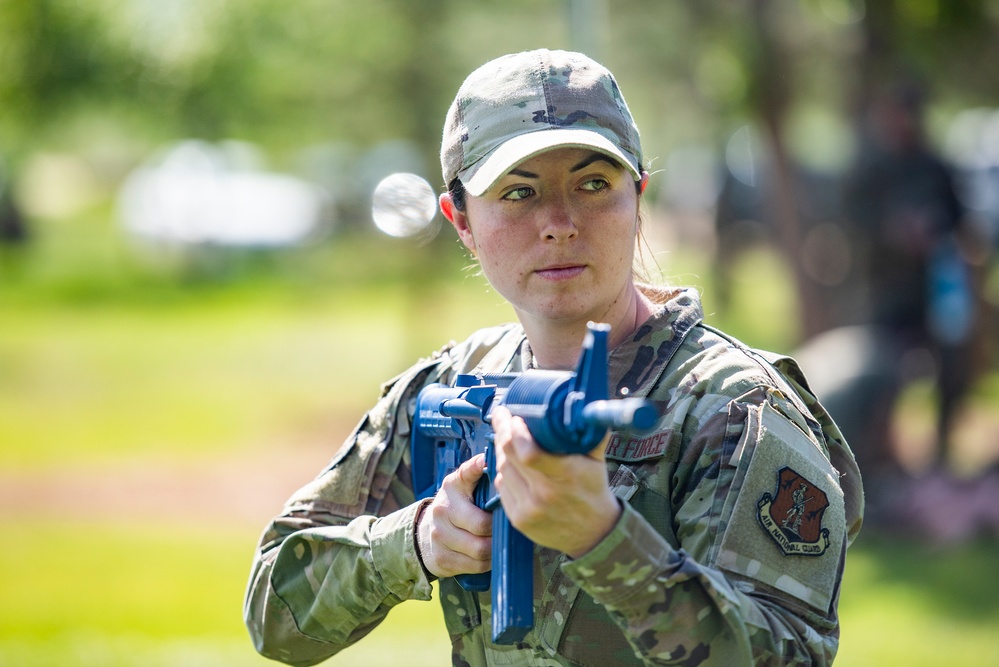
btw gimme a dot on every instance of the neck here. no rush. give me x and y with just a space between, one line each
556 343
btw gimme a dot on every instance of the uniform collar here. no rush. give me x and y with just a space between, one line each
636 364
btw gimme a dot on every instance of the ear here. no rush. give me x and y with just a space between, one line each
458 220
644 181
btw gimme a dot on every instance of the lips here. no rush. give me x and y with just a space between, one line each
561 271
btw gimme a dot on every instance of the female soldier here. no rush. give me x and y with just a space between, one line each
718 539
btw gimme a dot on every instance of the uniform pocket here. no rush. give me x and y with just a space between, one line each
461 608
561 628
571 623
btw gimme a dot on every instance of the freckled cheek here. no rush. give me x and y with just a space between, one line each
624 249
501 258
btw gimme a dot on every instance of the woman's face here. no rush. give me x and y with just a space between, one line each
556 236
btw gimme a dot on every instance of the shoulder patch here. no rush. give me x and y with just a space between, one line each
792 515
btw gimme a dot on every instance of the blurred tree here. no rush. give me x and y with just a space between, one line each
54 57
951 42
769 62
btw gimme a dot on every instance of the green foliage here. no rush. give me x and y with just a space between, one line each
56 54
384 69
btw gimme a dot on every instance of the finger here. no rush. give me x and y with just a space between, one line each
525 452
447 550
450 533
500 421
516 480
506 454
456 498
466 516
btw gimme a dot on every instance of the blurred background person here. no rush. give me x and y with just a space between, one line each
913 315
907 226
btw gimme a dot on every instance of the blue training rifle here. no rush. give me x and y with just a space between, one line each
566 412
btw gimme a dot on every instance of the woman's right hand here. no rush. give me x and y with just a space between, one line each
453 535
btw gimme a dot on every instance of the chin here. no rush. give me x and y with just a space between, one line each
564 310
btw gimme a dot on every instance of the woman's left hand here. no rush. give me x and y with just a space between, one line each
561 502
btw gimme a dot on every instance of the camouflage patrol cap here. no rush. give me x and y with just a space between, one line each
523 104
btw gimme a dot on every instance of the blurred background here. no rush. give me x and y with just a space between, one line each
196 307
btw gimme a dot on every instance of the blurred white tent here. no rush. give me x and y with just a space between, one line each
196 193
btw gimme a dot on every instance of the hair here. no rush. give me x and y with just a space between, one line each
459 196
640 268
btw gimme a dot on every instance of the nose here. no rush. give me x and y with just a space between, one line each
558 221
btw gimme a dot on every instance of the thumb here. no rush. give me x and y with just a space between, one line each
470 472
600 451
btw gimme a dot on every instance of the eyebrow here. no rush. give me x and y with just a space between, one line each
583 164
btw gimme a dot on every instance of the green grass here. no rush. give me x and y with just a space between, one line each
119 594
905 603
107 382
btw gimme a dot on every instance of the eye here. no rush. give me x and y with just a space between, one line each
595 184
516 194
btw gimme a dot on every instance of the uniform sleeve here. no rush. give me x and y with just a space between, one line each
752 574
342 553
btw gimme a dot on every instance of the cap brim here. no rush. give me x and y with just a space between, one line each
483 174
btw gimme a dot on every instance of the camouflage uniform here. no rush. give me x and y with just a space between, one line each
737 513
